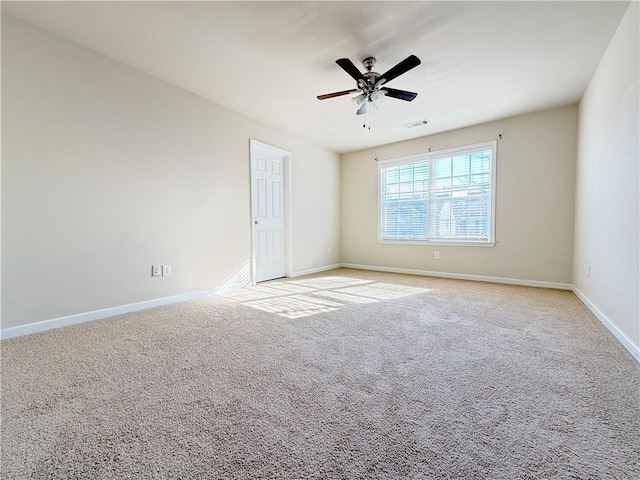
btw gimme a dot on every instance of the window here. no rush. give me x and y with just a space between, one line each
440 197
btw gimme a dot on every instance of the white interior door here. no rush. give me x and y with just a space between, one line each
268 183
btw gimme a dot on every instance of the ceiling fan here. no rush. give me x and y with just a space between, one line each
371 86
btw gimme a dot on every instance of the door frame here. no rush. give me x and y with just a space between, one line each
287 207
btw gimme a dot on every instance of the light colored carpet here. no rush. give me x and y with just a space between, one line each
346 375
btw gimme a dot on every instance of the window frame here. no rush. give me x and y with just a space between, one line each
431 157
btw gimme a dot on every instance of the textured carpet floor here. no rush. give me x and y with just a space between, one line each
347 375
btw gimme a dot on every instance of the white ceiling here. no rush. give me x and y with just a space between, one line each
268 60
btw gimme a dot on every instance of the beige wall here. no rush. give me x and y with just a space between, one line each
534 203
608 180
107 170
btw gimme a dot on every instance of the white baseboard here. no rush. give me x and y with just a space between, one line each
626 342
464 276
52 323
315 270
110 312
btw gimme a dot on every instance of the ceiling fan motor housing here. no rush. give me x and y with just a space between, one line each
371 76
369 87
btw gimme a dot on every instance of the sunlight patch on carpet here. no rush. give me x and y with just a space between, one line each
299 298
263 291
330 282
346 297
294 306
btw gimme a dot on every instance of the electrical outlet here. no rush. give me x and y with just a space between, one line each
155 271
588 271
166 270
329 251
436 255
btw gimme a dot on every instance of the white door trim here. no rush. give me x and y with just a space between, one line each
288 224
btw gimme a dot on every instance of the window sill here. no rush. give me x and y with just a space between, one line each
437 243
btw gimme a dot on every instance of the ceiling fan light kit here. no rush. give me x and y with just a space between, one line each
369 85
358 100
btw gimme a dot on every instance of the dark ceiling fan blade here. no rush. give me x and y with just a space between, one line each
404 66
400 94
336 94
348 66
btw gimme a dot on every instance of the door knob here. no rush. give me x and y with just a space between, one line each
255 222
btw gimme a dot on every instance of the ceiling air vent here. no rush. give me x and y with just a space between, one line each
417 123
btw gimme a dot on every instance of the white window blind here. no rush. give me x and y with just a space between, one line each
445 196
